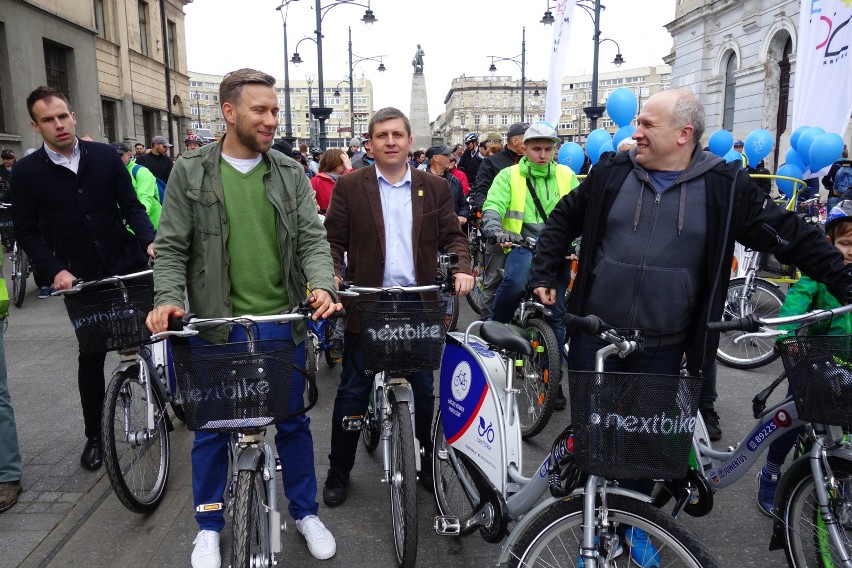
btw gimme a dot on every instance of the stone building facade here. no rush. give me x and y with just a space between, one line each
108 56
739 58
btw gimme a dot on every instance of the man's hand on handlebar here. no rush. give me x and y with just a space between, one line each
464 283
158 318
63 280
505 239
323 304
546 295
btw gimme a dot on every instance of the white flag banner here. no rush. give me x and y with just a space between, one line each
558 54
823 83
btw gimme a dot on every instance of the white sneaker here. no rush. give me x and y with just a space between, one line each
320 541
206 552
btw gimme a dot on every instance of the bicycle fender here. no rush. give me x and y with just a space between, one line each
249 458
799 469
124 366
399 392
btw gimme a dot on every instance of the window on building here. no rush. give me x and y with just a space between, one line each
783 94
100 22
461 102
143 28
476 103
195 83
150 125
476 120
730 93
463 117
172 44
108 110
490 120
56 67
504 119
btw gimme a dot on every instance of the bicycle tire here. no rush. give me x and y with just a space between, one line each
476 298
178 411
312 352
403 486
447 471
251 546
329 340
554 538
807 544
370 434
20 262
757 351
537 379
452 321
137 462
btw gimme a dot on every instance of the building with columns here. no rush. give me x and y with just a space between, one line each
739 58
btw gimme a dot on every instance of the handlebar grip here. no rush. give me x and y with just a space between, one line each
177 324
591 325
338 315
748 324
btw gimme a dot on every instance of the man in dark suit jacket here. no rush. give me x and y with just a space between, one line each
392 221
82 194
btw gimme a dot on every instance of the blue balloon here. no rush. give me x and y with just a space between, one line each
571 154
805 141
622 133
720 142
595 141
794 138
785 187
793 157
605 147
621 106
758 145
825 150
732 156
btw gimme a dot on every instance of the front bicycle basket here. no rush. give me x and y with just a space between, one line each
633 426
108 318
402 337
819 370
7 230
234 386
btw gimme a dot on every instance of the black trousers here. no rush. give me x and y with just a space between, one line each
90 381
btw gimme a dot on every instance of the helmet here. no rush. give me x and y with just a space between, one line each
193 141
838 213
472 137
541 130
738 143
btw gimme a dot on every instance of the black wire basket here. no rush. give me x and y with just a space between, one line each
401 337
7 229
633 426
110 317
235 386
819 370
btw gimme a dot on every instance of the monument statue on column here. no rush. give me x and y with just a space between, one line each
419 113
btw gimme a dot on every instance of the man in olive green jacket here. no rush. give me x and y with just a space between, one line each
239 232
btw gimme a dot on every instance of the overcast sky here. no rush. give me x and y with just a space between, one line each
457 36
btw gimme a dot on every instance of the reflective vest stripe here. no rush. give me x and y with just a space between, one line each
513 219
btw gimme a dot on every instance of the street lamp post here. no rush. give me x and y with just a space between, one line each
522 64
288 121
593 9
352 64
322 112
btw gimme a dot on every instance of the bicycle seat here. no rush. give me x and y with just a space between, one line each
500 335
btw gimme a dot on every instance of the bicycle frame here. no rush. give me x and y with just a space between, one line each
479 417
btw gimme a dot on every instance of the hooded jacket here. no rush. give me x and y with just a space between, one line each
734 210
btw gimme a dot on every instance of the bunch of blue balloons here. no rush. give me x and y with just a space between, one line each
757 145
621 106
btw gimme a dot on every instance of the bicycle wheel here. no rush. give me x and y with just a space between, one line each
754 352
136 459
447 472
554 538
370 434
537 379
403 486
20 262
251 545
475 298
312 351
808 542
329 340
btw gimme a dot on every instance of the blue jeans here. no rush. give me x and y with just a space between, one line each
10 454
293 440
516 275
353 394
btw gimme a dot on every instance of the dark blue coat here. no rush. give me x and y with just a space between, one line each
76 222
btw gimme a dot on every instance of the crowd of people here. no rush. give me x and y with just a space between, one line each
236 228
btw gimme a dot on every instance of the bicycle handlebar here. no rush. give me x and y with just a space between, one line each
349 289
590 325
189 325
80 284
752 323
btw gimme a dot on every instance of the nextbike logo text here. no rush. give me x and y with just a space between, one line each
405 332
111 316
236 390
657 424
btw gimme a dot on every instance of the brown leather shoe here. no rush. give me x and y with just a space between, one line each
9 491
